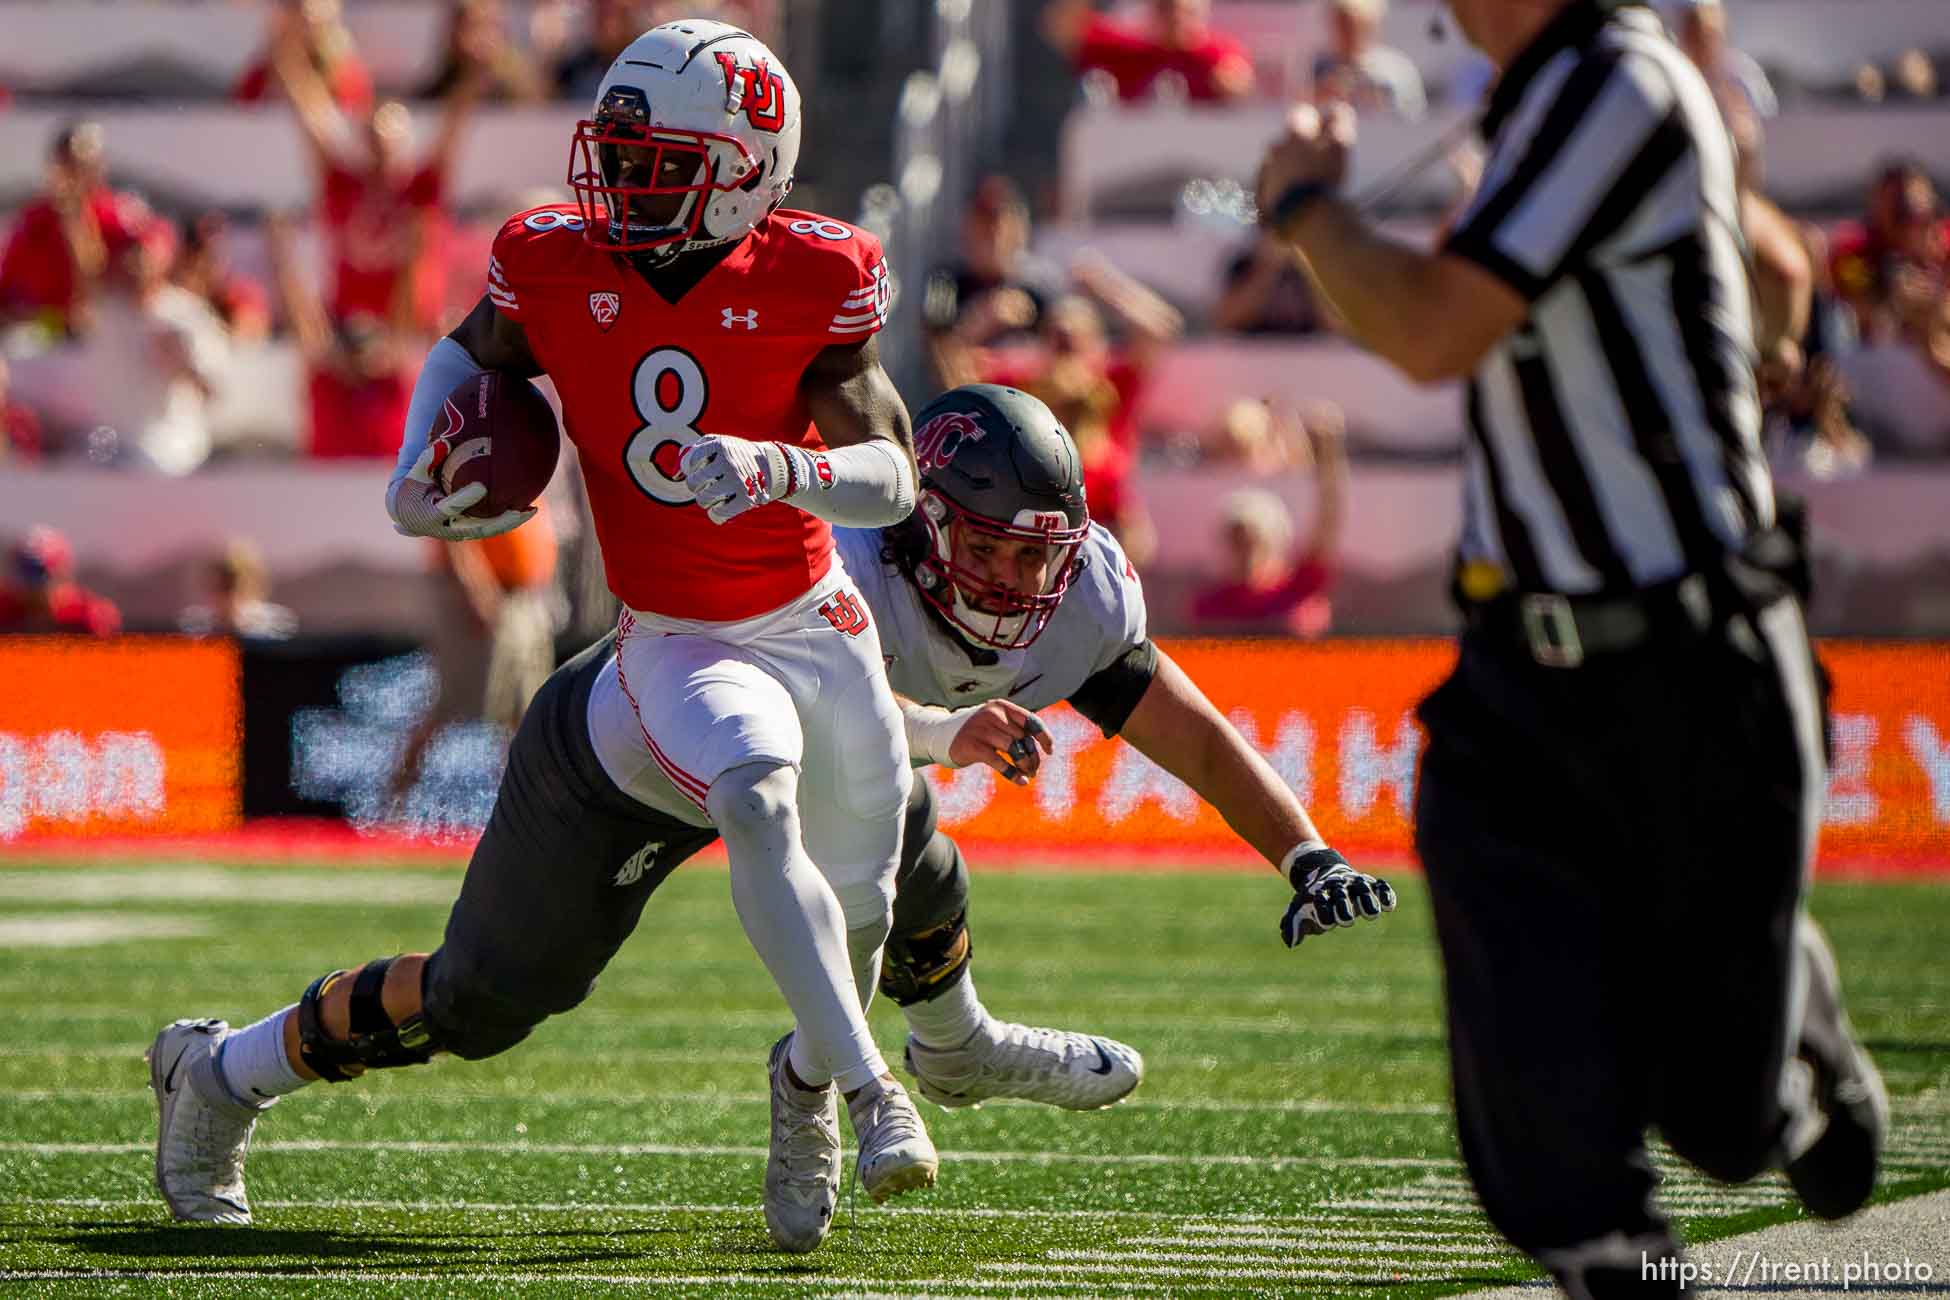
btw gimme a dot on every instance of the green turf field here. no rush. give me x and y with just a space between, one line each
1291 1137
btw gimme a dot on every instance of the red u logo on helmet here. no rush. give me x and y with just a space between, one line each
758 90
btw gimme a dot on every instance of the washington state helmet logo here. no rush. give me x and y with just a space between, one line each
605 307
937 442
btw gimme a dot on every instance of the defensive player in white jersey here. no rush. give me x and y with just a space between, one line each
715 358
996 598
1000 597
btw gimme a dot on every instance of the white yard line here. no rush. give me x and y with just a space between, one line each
1241 1223
602 1149
214 885
473 1097
609 1207
1915 1140
89 929
1384 1231
1114 1264
1329 1243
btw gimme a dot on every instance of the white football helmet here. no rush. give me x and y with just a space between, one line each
692 143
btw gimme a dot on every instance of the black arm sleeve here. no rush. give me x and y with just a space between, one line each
1109 694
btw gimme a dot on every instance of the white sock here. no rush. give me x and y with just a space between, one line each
252 1062
794 921
951 1019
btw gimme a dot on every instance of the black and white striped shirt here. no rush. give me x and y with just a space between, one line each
1614 437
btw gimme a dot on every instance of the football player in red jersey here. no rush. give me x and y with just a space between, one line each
715 357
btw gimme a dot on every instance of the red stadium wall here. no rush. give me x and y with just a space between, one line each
1337 720
112 738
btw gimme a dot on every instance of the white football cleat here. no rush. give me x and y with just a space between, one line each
1053 1066
896 1154
204 1131
802 1174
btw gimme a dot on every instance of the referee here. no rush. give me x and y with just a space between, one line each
1618 804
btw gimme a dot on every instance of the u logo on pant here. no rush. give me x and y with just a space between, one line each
845 612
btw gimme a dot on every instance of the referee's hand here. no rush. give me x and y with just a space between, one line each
1328 893
1313 147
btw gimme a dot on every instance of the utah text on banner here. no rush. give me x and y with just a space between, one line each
118 737
1337 721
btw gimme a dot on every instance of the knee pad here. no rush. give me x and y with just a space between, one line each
752 796
921 967
867 904
377 1043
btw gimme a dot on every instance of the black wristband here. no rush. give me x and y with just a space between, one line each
1308 863
1294 200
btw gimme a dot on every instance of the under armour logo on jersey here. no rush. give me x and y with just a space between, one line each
640 861
748 319
845 612
605 307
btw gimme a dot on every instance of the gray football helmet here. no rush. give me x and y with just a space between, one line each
996 463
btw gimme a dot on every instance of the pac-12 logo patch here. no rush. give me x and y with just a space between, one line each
605 307
937 441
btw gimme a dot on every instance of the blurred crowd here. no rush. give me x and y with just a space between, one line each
95 282
178 307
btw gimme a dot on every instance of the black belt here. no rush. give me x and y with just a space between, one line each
1563 631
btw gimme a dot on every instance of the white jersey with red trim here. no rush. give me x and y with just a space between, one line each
1101 617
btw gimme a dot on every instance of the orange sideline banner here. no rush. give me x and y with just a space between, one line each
1336 720
141 735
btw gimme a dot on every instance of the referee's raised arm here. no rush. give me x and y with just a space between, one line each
1623 780
1387 292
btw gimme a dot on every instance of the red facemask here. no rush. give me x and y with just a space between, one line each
1012 620
622 218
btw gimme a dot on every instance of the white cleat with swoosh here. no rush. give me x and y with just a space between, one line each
204 1131
1052 1066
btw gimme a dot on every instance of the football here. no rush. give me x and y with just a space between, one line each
500 431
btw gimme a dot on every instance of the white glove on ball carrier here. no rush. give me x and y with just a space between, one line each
420 509
728 476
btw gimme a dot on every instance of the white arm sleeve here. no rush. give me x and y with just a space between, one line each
447 367
867 485
930 731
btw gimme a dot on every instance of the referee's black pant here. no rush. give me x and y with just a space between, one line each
1617 854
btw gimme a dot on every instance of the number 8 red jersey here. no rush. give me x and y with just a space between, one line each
641 377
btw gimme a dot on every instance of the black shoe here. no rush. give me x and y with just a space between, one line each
1836 1174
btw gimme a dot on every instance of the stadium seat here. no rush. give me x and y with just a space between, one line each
1133 162
189 158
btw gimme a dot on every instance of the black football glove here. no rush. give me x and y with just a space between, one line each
1327 893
